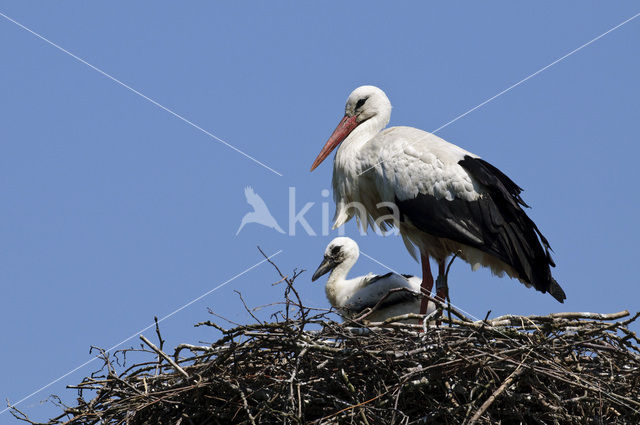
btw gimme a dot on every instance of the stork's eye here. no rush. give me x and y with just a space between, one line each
361 102
335 250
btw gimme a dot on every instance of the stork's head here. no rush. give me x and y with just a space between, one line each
366 102
363 104
340 251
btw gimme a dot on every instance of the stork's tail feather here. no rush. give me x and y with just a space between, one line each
556 291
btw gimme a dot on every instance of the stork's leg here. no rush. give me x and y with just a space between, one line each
442 288
427 282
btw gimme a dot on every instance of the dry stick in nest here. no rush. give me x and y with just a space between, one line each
293 377
160 341
247 309
245 403
164 356
363 415
517 372
290 287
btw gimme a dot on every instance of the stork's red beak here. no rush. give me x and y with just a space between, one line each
346 126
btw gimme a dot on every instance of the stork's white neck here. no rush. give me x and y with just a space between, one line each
361 135
337 283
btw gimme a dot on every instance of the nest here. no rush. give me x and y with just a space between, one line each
302 367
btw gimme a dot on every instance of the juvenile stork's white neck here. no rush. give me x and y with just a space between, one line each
338 285
339 257
339 273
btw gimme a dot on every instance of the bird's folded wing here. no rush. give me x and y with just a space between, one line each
492 221
378 289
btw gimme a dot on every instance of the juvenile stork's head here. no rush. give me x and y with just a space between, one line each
341 251
364 103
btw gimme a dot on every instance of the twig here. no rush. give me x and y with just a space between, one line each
164 356
517 372
245 403
160 341
247 309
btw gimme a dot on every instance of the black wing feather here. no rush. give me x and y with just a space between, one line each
398 297
378 277
495 224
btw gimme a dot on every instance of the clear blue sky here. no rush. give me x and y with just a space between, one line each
114 211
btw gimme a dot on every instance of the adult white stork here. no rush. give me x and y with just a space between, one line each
443 199
352 296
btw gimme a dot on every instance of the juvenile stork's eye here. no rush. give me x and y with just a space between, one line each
335 250
361 102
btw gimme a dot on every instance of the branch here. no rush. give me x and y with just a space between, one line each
164 356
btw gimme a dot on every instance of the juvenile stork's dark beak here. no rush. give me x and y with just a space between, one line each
325 267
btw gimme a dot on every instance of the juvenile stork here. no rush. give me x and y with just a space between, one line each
443 199
351 297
